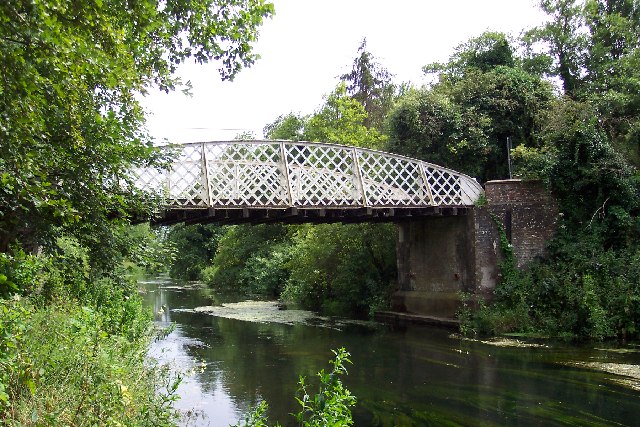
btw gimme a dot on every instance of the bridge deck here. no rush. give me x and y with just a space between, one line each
301 215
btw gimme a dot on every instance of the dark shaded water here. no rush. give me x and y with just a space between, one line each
414 376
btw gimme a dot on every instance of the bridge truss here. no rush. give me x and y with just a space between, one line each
262 181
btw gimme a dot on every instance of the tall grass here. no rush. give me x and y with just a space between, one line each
67 364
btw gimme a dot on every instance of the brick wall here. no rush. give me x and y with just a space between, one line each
528 212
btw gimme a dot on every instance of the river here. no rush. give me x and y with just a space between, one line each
241 353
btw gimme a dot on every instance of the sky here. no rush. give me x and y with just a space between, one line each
307 44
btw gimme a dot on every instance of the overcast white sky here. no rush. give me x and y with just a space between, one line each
308 43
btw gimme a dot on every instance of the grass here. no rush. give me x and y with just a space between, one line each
66 364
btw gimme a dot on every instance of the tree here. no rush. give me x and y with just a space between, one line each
428 125
71 127
613 71
483 53
194 247
342 269
563 41
249 259
593 47
483 96
289 126
595 186
369 83
342 120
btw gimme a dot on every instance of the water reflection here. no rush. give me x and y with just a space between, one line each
414 376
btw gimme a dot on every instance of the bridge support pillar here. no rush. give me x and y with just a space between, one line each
441 256
435 262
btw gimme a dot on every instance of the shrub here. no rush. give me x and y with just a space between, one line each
342 269
67 364
330 406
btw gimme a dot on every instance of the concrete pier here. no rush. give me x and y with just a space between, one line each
439 257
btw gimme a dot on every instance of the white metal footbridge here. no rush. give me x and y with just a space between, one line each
263 181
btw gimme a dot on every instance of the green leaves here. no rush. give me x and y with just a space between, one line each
71 128
341 120
67 364
593 47
330 405
482 53
483 96
342 269
369 83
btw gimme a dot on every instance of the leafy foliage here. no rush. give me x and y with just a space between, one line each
592 46
250 259
483 96
588 285
330 406
370 84
342 269
147 250
483 53
194 247
341 120
72 127
288 126
68 364
73 350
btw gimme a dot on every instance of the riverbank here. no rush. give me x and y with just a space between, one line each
65 363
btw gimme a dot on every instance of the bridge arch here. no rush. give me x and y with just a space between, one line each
241 180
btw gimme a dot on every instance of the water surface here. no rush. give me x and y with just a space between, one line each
410 376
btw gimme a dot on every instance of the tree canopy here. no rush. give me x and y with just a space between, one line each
71 126
341 120
593 48
482 97
371 85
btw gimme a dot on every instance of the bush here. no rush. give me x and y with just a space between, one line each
578 292
330 406
21 273
73 345
194 246
342 269
250 259
266 274
67 364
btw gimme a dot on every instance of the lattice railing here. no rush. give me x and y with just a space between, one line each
281 174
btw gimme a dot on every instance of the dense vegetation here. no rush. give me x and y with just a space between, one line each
566 94
73 334
587 154
73 349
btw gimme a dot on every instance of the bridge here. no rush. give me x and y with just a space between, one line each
444 244
266 181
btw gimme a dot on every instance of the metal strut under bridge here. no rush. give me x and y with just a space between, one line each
263 181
